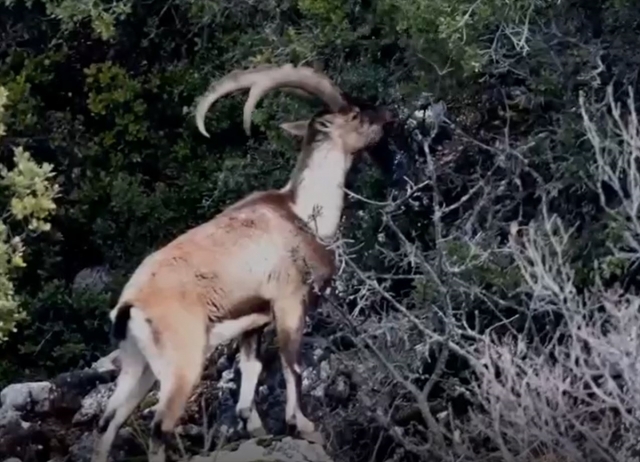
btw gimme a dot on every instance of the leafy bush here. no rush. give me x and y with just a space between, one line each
29 195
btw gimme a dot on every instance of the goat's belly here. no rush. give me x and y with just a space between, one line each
224 331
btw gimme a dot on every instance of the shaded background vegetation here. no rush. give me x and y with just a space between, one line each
104 93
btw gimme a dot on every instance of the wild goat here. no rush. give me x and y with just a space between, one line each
258 261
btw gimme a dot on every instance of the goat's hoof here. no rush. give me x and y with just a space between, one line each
157 457
256 432
313 437
254 425
291 420
244 413
98 456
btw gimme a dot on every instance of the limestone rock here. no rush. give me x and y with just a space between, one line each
29 396
72 387
108 363
10 417
94 279
268 449
94 404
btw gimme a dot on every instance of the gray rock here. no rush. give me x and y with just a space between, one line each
81 450
189 430
22 439
12 459
94 404
269 449
94 279
72 387
311 383
148 412
314 379
10 417
29 396
108 363
339 389
227 381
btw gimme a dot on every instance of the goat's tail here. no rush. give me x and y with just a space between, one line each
121 321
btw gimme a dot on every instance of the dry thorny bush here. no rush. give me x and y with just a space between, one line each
552 372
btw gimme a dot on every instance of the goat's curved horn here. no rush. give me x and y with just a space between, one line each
263 79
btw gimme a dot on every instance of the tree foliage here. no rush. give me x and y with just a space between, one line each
29 193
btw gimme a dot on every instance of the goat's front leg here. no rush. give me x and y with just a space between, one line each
289 314
245 328
250 369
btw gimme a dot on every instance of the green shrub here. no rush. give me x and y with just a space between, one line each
29 194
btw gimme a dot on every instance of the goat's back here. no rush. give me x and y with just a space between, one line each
250 253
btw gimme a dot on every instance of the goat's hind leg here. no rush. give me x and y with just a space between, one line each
250 369
179 372
133 383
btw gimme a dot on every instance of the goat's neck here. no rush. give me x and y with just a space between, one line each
317 184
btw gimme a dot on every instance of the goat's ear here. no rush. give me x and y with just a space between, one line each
298 128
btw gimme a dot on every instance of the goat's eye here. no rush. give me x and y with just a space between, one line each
323 124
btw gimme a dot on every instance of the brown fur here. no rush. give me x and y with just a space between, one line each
199 250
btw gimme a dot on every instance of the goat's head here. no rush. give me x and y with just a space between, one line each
353 125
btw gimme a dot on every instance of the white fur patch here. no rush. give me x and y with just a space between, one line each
141 333
320 196
113 312
250 369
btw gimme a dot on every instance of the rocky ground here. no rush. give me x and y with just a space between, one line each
54 420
